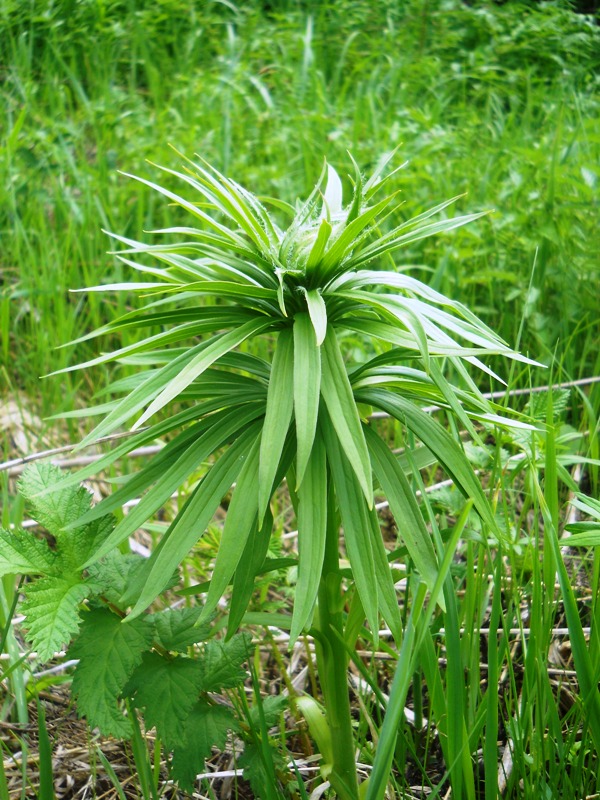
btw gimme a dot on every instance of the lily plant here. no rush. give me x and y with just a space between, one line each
299 416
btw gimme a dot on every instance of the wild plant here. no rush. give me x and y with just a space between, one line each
246 359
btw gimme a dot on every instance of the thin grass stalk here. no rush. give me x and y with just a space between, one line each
46 789
417 628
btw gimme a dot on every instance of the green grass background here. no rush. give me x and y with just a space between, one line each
499 102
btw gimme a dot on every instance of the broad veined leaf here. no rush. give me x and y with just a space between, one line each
21 553
51 609
280 402
338 397
221 663
214 350
59 509
205 727
55 510
403 504
176 628
355 522
166 688
312 525
108 653
307 389
192 520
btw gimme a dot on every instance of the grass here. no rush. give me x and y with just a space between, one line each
500 102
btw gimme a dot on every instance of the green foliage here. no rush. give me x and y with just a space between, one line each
152 661
497 100
299 291
206 726
51 603
108 653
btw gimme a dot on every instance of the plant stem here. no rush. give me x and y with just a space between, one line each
332 662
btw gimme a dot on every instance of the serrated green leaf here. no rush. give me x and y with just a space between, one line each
166 689
51 609
280 402
206 727
108 653
176 628
116 573
221 663
307 388
57 510
256 771
273 706
338 397
312 526
23 553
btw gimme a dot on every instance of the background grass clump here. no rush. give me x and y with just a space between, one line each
499 102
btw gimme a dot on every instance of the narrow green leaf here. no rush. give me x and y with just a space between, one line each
338 397
217 347
587 673
175 471
280 403
318 248
312 525
318 314
142 394
355 522
192 520
347 240
249 566
307 387
439 441
239 522
409 520
386 591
